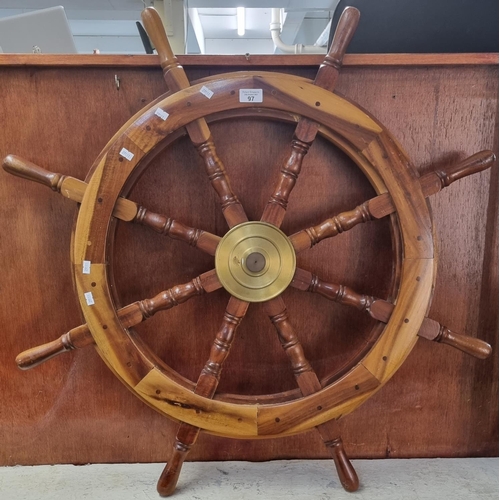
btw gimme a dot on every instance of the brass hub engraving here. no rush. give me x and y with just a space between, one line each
255 261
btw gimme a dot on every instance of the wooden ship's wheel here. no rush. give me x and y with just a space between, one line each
254 261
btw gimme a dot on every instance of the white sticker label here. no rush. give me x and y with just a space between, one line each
86 267
127 154
162 114
251 95
89 298
206 92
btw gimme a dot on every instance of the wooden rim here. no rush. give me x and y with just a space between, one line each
383 163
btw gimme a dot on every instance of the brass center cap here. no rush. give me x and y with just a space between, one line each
255 261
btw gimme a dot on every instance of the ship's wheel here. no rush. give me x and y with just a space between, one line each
254 261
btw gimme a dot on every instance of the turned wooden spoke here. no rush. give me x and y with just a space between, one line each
308 383
130 315
381 310
198 130
231 206
311 236
306 129
278 315
209 376
205 283
275 209
126 210
205 386
382 205
203 240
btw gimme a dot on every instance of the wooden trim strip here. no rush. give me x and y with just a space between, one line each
250 61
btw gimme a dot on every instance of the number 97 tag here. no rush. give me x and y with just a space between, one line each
251 95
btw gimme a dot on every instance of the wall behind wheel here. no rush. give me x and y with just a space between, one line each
72 409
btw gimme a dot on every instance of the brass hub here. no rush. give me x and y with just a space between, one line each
255 261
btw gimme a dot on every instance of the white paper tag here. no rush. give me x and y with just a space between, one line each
89 298
86 267
206 92
127 154
162 114
251 95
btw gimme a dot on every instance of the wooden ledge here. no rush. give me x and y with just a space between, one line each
249 61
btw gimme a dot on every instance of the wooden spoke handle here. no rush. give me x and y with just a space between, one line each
71 188
173 72
198 130
382 205
432 330
381 310
130 315
25 169
186 437
433 182
74 339
125 210
205 386
306 129
156 32
472 165
347 474
329 70
308 382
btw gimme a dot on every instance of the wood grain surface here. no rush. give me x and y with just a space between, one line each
248 61
73 410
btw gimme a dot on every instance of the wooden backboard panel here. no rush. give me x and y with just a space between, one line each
73 410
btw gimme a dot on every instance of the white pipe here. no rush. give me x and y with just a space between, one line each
194 15
298 48
240 19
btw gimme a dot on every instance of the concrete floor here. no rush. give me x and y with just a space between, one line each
416 479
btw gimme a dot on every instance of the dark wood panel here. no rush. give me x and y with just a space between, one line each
72 409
